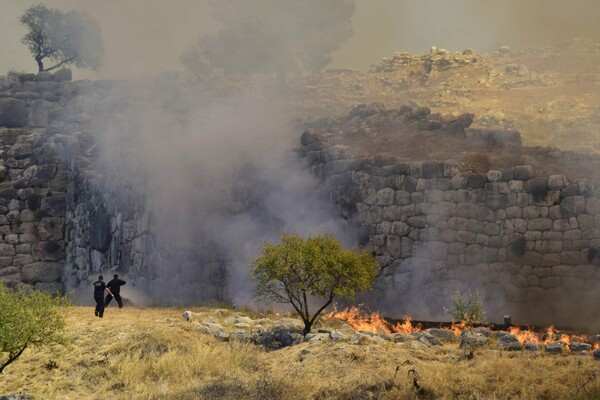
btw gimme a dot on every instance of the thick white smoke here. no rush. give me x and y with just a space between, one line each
219 173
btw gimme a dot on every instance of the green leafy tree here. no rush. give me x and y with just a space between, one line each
66 38
468 310
29 319
315 270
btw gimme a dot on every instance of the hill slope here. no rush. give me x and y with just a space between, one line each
152 353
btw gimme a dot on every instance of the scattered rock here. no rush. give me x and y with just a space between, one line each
554 347
509 342
336 336
222 336
472 339
580 348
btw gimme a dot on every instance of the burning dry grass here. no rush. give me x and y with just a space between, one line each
153 354
373 322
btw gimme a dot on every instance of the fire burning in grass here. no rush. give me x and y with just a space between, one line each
372 323
375 323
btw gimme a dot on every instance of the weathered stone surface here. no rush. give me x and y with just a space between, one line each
42 272
100 236
51 228
7 250
572 206
510 342
444 334
54 206
13 113
523 172
47 251
557 182
63 75
472 339
41 111
580 348
555 347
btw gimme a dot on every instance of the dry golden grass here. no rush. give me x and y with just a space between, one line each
152 353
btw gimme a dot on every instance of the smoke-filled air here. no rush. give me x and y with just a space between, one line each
299 199
455 143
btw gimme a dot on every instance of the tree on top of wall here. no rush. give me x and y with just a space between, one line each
67 38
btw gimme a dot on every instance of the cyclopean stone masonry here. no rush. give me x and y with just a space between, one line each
529 243
64 216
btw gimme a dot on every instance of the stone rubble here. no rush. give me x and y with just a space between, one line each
278 334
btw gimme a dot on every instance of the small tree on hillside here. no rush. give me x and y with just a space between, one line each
468 310
28 320
316 270
66 38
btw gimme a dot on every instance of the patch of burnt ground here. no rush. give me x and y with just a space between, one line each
416 134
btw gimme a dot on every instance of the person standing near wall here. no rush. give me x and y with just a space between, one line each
99 289
115 291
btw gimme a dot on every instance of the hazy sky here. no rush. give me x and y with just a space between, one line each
146 37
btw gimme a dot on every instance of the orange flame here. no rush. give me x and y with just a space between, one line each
372 323
524 337
406 327
376 324
551 335
458 328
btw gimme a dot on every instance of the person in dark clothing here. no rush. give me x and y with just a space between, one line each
99 289
115 291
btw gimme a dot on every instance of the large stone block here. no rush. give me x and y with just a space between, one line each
13 113
394 245
473 254
47 251
54 206
540 224
523 172
51 228
432 169
572 206
571 257
385 197
42 272
460 181
402 197
400 228
41 112
477 181
557 182
7 250
467 210
63 75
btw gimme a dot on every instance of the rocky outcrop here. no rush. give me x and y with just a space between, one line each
437 59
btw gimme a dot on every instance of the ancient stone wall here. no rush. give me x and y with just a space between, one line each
60 220
530 244
64 216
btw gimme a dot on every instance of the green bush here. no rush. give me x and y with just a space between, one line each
468 310
28 319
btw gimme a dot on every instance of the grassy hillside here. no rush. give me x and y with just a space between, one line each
152 353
